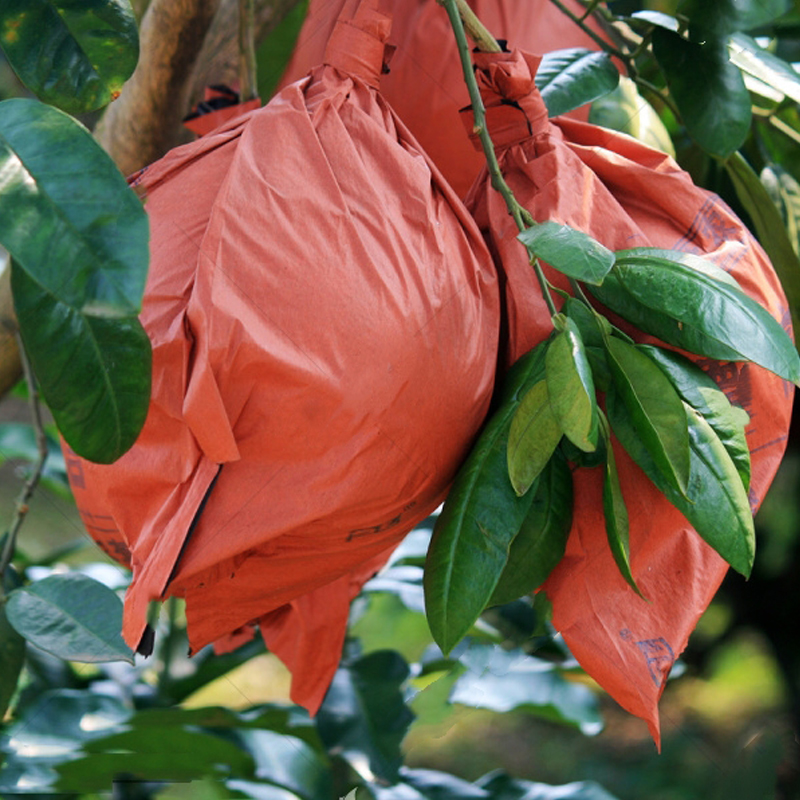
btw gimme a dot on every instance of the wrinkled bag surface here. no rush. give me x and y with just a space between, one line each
624 194
324 318
425 85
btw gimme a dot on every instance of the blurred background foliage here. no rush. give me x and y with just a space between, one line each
730 714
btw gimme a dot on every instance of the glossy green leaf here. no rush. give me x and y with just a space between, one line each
785 193
79 243
533 436
573 77
716 504
721 17
480 518
12 646
542 539
593 327
570 388
506 679
656 18
699 390
364 716
71 616
72 55
570 251
715 108
502 787
769 225
170 753
655 409
664 293
427 784
626 110
768 68
615 512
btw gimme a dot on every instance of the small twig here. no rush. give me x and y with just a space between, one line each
521 216
248 81
29 487
476 30
589 10
579 21
168 646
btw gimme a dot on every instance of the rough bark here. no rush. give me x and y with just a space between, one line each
144 122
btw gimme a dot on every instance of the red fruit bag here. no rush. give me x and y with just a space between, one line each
324 317
424 84
624 194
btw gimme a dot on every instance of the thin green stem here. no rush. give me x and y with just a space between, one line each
589 10
21 508
168 646
521 216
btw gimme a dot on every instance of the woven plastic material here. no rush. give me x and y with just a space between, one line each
324 317
625 195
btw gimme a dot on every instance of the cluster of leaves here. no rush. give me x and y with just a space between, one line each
78 237
505 523
82 731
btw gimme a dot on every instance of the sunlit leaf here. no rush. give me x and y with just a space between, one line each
72 617
73 55
626 110
785 193
79 245
542 539
570 387
772 232
761 64
480 518
533 436
506 679
573 77
568 250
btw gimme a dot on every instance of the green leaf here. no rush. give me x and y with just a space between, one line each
71 616
532 438
655 410
664 293
699 390
656 18
626 110
72 55
716 503
170 753
785 193
768 68
573 77
570 251
12 646
79 245
18 441
616 512
502 787
770 228
506 679
723 16
708 90
364 717
570 388
542 539
593 327
288 762
481 516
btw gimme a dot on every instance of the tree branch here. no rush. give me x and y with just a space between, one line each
144 122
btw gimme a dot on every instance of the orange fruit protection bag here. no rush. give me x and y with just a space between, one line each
625 195
424 84
324 317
